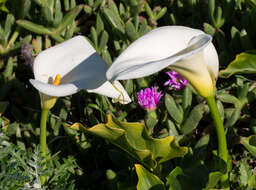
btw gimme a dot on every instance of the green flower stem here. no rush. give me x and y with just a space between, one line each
43 144
222 142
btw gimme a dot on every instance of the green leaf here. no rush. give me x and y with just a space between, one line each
172 180
233 118
250 144
58 13
186 98
99 24
171 128
9 68
134 139
103 40
66 5
180 179
8 25
173 109
244 63
147 180
228 98
114 20
252 3
106 56
211 10
57 37
252 182
219 19
193 119
245 173
131 31
161 13
209 29
39 29
213 180
94 36
68 18
149 11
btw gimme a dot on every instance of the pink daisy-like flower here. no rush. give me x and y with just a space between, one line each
149 98
177 82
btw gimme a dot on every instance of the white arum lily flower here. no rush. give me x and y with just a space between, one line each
185 50
68 67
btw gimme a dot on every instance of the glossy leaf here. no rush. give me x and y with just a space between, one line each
114 20
193 119
68 18
131 31
213 179
250 144
180 179
39 29
172 179
147 180
134 139
244 63
103 40
173 109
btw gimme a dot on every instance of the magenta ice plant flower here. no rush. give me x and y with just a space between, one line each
176 81
149 98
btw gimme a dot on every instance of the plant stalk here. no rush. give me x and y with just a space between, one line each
222 142
43 144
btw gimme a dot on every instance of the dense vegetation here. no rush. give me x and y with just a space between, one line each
79 156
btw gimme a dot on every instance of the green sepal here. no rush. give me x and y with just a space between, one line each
151 119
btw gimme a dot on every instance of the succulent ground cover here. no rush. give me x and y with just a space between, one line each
159 131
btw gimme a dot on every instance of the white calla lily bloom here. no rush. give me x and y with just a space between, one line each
78 66
185 50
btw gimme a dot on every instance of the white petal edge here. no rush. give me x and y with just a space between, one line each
52 90
107 89
141 67
66 57
161 43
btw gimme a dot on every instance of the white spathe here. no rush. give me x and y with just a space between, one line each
79 66
186 50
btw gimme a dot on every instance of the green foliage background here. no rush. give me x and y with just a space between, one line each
81 160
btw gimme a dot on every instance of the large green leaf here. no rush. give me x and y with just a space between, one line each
134 139
172 179
244 63
250 144
147 180
179 179
213 179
